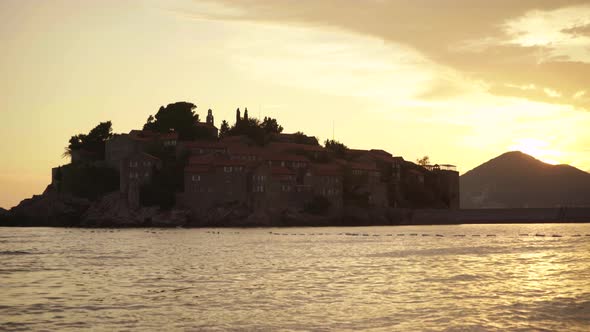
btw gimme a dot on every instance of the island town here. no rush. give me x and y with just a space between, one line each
185 164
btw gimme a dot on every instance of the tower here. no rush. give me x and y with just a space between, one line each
210 119
246 114
238 116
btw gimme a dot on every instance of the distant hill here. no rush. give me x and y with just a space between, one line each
517 180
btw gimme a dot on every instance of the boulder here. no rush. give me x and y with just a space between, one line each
49 209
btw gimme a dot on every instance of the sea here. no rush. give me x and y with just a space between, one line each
510 277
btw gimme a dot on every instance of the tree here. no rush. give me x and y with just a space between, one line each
93 142
424 161
179 117
336 147
271 126
224 129
300 138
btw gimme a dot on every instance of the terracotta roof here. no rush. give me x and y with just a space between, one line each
201 160
281 171
240 149
149 156
197 169
283 147
236 139
205 125
326 169
148 135
214 160
169 136
203 144
363 166
285 157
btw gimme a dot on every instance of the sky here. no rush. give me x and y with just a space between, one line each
461 81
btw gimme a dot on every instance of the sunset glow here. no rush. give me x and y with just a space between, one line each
473 82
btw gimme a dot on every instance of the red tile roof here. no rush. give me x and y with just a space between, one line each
214 160
363 166
197 169
281 171
380 152
205 125
285 157
284 147
203 145
148 135
326 170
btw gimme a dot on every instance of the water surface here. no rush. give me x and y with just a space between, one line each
431 278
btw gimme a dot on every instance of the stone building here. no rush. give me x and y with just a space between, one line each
327 180
136 170
122 146
363 183
212 180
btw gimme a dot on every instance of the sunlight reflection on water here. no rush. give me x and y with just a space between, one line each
470 277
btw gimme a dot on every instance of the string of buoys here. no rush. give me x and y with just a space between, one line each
438 235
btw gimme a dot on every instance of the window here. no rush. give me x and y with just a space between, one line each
227 169
147 174
196 178
133 164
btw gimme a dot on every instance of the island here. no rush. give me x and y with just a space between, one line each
180 171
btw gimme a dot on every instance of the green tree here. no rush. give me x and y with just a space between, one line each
224 129
424 161
93 142
301 138
339 149
179 117
271 126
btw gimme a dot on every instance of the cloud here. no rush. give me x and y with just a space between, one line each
495 42
578 30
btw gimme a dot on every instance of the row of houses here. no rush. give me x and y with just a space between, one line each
282 174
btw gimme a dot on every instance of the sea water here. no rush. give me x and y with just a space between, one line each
410 278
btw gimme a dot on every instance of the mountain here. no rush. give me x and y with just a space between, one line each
517 180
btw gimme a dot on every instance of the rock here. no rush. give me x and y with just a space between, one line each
111 210
173 218
49 209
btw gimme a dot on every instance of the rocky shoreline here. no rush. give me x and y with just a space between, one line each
53 209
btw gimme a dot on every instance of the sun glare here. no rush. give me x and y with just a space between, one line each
539 149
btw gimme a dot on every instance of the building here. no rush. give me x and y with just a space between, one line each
212 180
136 170
122 146
327 180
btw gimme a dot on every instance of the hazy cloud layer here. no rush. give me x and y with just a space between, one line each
505 44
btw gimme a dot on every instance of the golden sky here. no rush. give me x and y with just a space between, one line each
459 80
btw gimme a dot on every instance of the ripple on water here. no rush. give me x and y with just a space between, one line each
351 280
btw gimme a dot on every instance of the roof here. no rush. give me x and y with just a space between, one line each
169 136
326 169
214 160
380 152
240 149
142 155
197 169
283 147
281 171
285 157
204 144
363 166
149 135
205 125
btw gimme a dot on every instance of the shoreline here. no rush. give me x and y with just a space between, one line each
349 218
